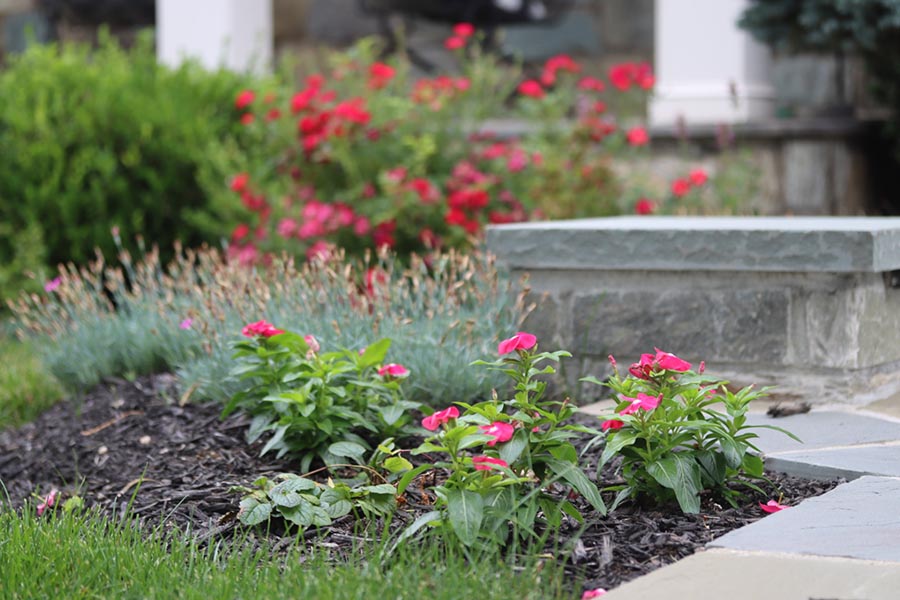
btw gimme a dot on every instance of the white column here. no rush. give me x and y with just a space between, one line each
708 70
236 34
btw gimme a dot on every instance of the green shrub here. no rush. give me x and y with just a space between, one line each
93 139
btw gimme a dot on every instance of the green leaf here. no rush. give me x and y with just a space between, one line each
713 465
375 353
254 512
466 511
397 464
512 450
275 440
681 474
578 480
409 476
301 515
384 488
733 451
614 443
391 414
569 508
347 450
753 465
285 493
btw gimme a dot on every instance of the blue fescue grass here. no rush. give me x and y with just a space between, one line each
125 320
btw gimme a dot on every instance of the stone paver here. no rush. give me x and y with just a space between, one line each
823 429
860 519
850 463
718 574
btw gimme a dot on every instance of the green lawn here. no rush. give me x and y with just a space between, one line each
69 556
26 388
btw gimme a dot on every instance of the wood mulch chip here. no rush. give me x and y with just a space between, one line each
129 448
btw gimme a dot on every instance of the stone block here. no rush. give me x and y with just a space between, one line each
751 576
855 520
732 325
850 463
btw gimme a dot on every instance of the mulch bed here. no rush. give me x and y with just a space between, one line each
103 445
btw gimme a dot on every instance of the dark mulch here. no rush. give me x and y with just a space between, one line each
121 432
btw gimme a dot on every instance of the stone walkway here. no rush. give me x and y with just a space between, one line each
843 545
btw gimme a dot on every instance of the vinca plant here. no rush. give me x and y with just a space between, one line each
317 404
504 456
673 440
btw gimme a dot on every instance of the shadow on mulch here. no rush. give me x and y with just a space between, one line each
121 432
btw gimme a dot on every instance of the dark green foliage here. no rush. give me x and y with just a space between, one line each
92 139
869 28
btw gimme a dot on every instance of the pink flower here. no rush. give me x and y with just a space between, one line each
698 177
380 75
393 370
52 285
287 227
670 362
240 232
486 463
644 206
644 367
463 30
454 43
702 367
320 250
637 136
434 421
642 402
312 342
531 88
501 431
611 424
260 328
48 502
621 76
772 506
680 187
239 182
247 119
244 99
186 324
595 593
520 341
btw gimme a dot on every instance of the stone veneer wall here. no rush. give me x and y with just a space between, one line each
809 304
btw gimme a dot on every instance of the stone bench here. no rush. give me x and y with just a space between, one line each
810 304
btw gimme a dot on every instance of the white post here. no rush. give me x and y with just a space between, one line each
236 34
708 70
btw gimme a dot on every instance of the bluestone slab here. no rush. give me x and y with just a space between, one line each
794 244
718 574
860 519
851 463
822 429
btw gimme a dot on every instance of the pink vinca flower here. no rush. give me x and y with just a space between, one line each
486 463
393 370
434 421
698 177
501 431
48 502
670 362
186 324
520 341
260 328
611 424
595 593
772 506
642 402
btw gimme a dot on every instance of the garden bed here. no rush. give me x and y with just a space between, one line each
122 432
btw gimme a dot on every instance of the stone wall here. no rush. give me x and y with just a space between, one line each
811 305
